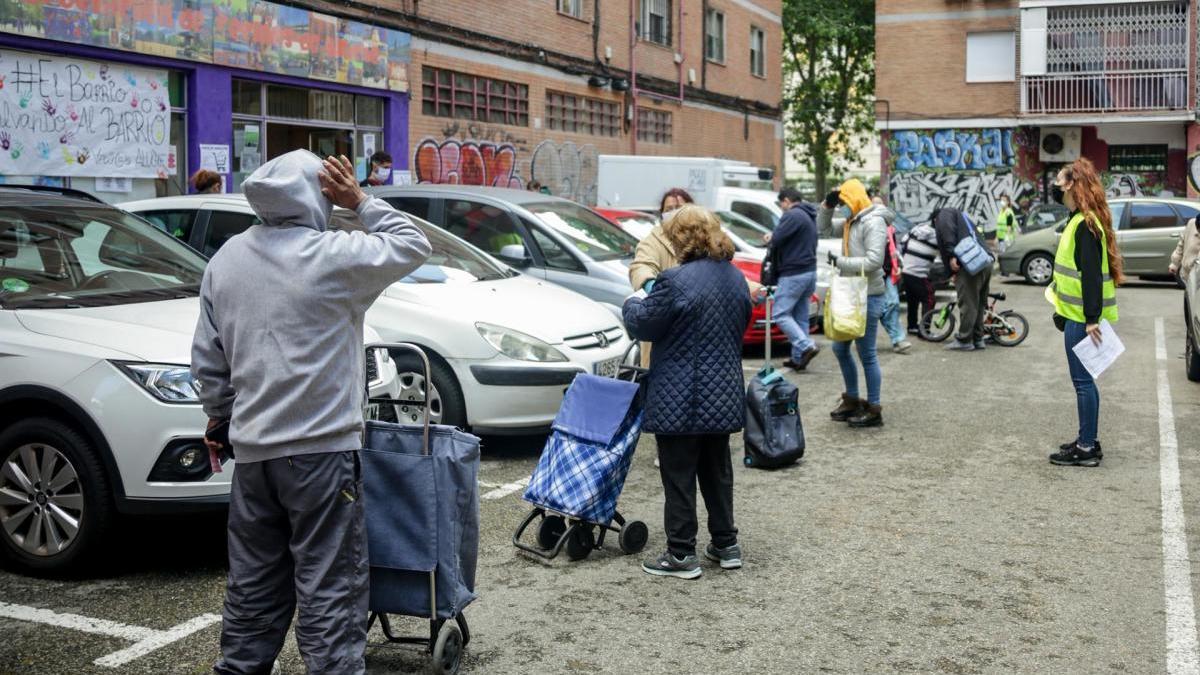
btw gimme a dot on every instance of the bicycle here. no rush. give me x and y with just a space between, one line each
1007 328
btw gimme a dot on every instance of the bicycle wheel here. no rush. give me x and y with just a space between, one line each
1009 328
938 324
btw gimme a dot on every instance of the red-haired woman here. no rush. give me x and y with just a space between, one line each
1087 270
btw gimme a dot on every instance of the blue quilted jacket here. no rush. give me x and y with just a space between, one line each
695 317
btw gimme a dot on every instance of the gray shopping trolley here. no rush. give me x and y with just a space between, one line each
422 505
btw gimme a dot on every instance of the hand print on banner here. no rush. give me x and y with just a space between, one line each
15 153
43 149
466 163
5 140
952 149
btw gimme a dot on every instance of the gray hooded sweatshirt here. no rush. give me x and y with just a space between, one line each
279 343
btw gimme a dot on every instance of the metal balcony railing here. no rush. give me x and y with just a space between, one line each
1143 91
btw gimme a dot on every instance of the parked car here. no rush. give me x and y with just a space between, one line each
637 223
543 236
503 345
1148 228
1043 216
98 410
1191 318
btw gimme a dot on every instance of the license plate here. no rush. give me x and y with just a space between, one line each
607 367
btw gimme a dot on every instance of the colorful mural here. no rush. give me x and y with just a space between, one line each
565 169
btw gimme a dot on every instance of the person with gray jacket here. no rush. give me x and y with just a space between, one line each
278 354
864 245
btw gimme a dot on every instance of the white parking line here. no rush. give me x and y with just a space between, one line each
145 640
1183 657
505 490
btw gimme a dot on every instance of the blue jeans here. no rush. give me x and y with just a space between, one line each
790 310
866 354
1087 396
891 312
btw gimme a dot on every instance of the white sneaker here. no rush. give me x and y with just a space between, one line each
902 347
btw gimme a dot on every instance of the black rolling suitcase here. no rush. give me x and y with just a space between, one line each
774 435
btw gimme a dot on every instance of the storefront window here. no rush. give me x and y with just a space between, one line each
324 122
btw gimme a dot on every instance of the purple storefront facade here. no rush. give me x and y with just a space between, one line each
208 114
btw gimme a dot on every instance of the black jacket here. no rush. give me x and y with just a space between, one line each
695 317
949 229
794 241
1089 261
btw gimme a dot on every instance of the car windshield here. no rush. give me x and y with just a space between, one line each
594 236
743 228
452 261
639 226
89 256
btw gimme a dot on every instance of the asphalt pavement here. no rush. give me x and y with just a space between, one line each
941 542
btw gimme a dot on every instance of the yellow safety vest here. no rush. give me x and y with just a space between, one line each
1068 283
1002 222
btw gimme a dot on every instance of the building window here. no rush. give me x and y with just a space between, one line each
714 36
654 126
581 114
656 21
991 57
1137 158
758 52
447 93
571 8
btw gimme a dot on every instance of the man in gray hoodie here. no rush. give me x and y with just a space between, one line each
279 358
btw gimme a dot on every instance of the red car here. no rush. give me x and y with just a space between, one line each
756 333
639 224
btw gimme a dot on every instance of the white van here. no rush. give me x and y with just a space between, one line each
636 181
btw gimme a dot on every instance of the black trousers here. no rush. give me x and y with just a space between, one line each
684 461
919 295
297 538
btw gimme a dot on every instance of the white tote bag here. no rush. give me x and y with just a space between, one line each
846 308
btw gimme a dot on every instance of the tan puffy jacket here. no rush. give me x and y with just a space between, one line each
1188 250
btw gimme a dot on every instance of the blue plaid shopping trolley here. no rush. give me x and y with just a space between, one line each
575 487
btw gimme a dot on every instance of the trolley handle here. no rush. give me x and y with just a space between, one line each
410 347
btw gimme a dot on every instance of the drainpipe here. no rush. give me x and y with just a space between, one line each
634 92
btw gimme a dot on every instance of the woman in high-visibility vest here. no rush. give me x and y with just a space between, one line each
1006 224
1087 270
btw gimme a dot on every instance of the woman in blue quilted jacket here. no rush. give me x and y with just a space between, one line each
695 315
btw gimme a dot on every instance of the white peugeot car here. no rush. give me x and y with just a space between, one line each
98 410
503 345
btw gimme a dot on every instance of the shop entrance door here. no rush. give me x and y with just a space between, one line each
283 138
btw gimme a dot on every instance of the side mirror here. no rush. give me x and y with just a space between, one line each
515 255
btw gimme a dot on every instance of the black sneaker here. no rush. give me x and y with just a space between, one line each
667 565
729 557
980 346
1075 457
1098 450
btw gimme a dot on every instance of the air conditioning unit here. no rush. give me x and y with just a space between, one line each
1060 144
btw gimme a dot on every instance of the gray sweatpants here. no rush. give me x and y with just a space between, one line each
297 537
972 303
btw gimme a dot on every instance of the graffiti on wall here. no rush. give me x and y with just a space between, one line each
917 194
466 163
566 169
952 149
484 132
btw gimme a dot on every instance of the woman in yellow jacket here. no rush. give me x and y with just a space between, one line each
1087 270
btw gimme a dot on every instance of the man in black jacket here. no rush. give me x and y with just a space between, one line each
793 247
952 227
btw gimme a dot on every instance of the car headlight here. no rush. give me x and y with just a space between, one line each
518 345
166 382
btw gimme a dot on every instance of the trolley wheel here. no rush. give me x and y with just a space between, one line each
447 650
581 542
550 530
633 537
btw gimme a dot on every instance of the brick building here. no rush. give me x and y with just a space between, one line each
537 89
469 91
983 98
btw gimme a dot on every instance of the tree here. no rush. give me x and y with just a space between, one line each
828 83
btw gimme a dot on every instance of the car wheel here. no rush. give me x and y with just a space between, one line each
55 500
445 396
1038 269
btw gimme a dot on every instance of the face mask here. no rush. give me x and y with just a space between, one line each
381 174
667 216
1056 194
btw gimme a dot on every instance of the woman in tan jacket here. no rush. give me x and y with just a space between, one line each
654 254
1187 251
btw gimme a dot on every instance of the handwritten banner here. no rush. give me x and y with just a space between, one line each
61 116
253 34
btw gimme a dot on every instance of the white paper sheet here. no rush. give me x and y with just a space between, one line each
1097 358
